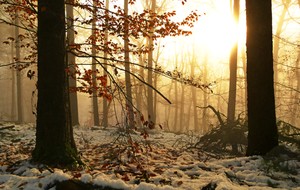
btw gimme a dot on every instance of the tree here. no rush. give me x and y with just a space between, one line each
296 106
233 71
54 134
280 23
119 26
72 64
262 134
129 101
94 68
233 67
105 103
150 103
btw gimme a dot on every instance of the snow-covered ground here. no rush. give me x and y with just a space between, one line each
160 162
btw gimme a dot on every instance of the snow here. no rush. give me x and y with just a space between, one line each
167 165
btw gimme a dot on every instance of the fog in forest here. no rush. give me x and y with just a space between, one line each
195 67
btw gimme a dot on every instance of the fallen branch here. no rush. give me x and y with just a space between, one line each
7 127
218 114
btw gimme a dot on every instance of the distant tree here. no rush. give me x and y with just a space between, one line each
18 81
129 102
105 55
71 63
150 103
263 134
117 25
233 60
233 67
55 143
94 68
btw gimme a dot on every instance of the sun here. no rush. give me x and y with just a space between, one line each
212 39
217 32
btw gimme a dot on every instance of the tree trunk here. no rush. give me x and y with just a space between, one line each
296 103
13 84
94 70
262 134
55 143
176 107
140 87
18 79
245 74
194 92
233 66
277 39
182 122
204 127
72 65
129 101
105 103
150 104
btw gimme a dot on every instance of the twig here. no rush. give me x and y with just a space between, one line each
7 127
218 114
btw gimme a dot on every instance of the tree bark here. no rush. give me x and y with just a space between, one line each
204 127
150 104
296 100
55 143
233 66
129 101
105 102
94 74
71 64
182 121
194 92
13 84
18 72
262 134
277 39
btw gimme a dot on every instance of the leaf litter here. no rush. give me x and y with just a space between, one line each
158 162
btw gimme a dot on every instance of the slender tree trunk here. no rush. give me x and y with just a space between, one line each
150 104
245 74
155 103
55 143
94 69
168 108
140 87
194 93
262 134
277 39
176 117
233 66
19 81
195 110
176 107
296 99
204 127
188 116
13 84
182 123
72 64
129 101
105 103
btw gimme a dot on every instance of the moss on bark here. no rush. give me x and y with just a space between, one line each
57 156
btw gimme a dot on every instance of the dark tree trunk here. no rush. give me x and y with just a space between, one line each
54 134
262 135
233 67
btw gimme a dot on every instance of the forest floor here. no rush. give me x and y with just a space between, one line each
163 160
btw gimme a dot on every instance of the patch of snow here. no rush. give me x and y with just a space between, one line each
165 167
